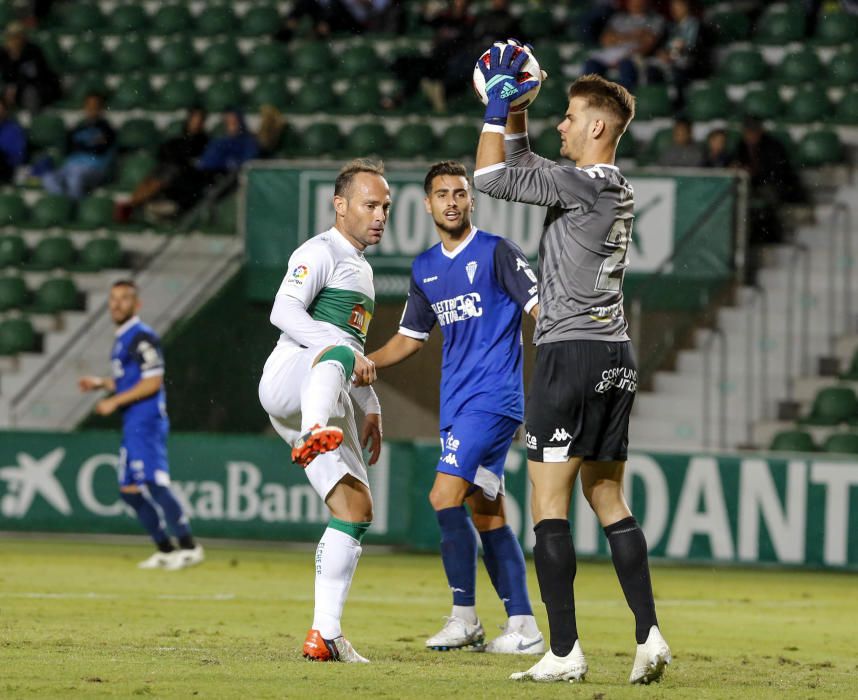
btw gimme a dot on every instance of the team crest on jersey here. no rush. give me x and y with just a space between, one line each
471 269
299 274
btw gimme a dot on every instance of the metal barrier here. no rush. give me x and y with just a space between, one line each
756 333
841 214
800 255
721 387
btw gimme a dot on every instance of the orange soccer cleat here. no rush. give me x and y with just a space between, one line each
317 440
318 649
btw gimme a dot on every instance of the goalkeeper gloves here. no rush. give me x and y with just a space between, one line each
502 86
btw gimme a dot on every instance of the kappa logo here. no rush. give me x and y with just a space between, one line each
530 441
471 269
427 280
451 460
560 435
452 444
32 477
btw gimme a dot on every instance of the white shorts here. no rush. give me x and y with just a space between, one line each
284 379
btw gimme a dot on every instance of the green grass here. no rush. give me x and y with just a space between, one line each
79 620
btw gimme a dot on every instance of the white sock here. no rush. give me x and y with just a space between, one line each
336 560
468 613
321 392
526 624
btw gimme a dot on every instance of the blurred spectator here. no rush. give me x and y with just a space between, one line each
336 17
91 153
448 68
683 152
495 24
271 125
683 55
28 81
176 159
593 21
628 39
13 145
716 154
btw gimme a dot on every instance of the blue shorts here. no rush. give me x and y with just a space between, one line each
475 448
143 457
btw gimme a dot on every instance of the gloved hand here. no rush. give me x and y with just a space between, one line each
502 87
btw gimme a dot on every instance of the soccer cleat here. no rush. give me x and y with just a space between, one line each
317 440
457 634
183 558
572 667
512 641
158 560
316 648
651 658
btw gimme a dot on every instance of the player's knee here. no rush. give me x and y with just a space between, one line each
486 521
441 498
342 355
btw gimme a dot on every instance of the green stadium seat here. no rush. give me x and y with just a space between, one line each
131 55
271 91
321 138
51 210
547 144
851 374
318 98
550 59
260 21
743 66
138 134
56 295
223 94
537 23
177 93
93 213
133 92
832 405
798 67
842 443
85 85
222 57
16 335
80 17
780 25
764 103
651 102
13 250
101 254
370 138
414 140
288 141
820 148
730 26
312 58
172 19
843 68
126 19
13 210
47 131
660 141
51 253
836 28
266 59
13 292
218 19
809 104
793 441
847 109
360 99
460 140
177 55
86 55
133 168
551 103
788 143
357 61
627 147
708 102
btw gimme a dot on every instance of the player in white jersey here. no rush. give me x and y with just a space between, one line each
323 308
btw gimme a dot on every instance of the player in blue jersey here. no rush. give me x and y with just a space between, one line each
474 285
137 390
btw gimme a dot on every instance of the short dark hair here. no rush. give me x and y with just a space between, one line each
604 94
445 167
343 183
125 282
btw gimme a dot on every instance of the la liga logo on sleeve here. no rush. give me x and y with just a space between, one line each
298 275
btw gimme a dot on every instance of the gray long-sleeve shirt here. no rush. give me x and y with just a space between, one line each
583 252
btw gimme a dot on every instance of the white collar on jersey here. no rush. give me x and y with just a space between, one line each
459 248
125 326
341 239
600 165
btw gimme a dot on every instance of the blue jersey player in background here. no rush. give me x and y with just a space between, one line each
137 390
474 285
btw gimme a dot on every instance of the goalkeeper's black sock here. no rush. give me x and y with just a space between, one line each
165 546
628 550
554 557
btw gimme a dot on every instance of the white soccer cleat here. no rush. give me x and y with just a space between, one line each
651 658
183 558
158 560
551 668
512 641
457 634
346 652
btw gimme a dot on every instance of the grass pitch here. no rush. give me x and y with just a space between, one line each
79 620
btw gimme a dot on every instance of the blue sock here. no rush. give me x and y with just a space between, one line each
505 563
149 518
176 519
459 553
